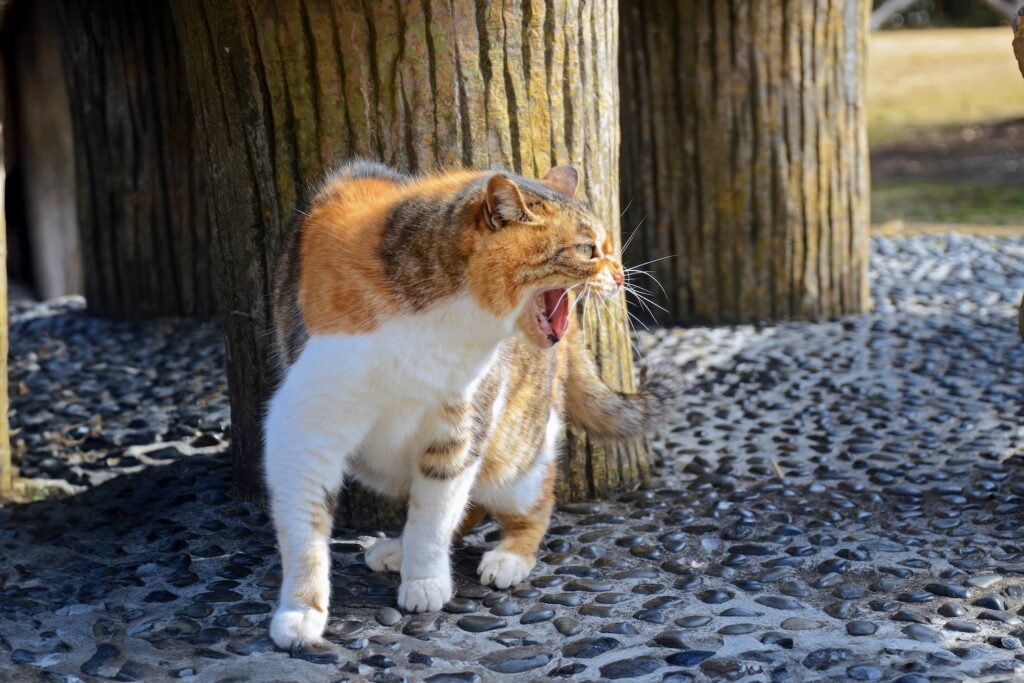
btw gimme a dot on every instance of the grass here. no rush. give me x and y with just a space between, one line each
930 202
920 83
940 77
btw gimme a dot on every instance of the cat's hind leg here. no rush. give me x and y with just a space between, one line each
474 515
385 555
521 535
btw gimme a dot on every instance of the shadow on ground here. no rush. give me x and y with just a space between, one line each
93 398
986 153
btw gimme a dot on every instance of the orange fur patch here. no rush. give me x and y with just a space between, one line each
313 563
342 284
522 534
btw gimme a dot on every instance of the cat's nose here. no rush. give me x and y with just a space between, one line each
618 277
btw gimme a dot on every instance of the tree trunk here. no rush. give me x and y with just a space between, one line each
141 201
284 90
6 466
744 155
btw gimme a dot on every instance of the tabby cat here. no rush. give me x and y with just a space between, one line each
426 333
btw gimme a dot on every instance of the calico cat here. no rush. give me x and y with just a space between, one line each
426 332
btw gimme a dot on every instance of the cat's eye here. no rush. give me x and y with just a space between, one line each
585 250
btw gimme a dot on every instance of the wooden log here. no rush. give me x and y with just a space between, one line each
139 177
744 156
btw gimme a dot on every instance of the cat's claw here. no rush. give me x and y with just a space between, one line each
502 569
425 595
297 627
385 555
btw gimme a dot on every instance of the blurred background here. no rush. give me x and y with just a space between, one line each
945 116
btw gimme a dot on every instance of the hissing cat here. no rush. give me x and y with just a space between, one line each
427 334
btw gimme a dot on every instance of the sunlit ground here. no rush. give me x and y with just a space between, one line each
946 126
940 77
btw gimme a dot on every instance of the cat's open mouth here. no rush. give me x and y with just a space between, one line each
551 313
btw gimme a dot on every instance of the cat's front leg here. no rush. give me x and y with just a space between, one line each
305 466
301 504
438 498
436 507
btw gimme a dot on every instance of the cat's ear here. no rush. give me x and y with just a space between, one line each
504 203
563 180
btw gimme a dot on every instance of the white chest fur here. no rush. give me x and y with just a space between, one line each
370 398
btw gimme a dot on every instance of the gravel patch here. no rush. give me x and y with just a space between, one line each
834 501
92 399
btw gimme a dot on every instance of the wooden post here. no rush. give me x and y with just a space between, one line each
744 156
139 191
284 90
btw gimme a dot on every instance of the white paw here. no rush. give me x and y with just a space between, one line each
503 569
425 595
385 555
297 627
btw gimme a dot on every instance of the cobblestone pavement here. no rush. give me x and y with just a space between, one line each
834 501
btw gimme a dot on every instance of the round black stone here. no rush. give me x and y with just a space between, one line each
479 624
586 648
689 657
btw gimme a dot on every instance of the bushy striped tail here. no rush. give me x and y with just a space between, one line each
604 412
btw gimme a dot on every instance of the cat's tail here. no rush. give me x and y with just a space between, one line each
604 412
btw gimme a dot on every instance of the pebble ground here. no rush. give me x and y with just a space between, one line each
834 501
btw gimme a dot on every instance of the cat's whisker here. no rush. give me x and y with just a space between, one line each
628 204
646 273
642 303
639 291
632 234
566 293
646 263
606 303
641 297
636 318
633 336
631 286
586 304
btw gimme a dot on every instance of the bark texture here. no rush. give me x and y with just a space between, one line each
284 90
744 155
141 202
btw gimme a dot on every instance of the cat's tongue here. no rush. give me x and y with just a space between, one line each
556 307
